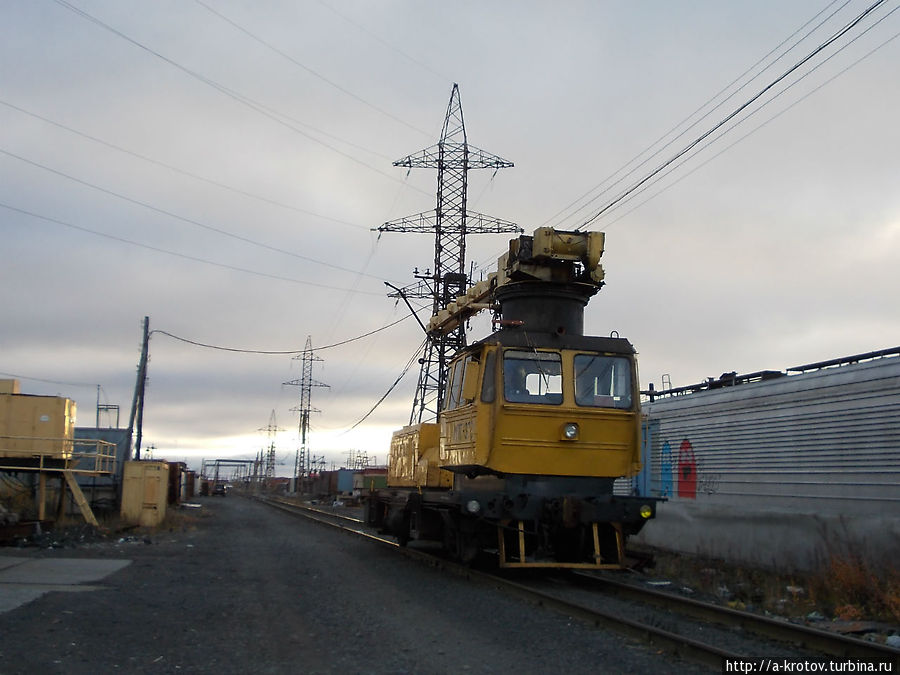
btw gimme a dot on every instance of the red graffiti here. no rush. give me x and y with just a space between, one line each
687 471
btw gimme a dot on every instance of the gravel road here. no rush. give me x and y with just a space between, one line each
244 588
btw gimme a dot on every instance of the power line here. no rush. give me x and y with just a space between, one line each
221 88
309 70
38 379
279 352
183 172
385 43
749 133
412 360
753 112
182 255
588 199
190 221
835 36
608 188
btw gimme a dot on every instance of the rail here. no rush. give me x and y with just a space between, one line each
781 630
649 631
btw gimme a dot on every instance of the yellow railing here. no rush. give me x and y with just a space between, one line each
80 455
94 455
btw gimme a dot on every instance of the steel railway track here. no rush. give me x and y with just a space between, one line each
660 624
813 639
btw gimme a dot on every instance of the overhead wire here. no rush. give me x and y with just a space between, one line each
588 199
306 68
181 255
834 37
408 365
181 171
743 120
241 99
278 352
227 91
176 216
713 98
385 43
38 379
749 133
412 360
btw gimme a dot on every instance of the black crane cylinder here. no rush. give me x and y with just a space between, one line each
544 307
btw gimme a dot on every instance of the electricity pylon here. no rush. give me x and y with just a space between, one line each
450 222
272 430
306 383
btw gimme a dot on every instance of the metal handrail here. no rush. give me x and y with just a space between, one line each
98 458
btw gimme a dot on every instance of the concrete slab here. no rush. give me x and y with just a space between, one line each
12 595
60 570
25 579
10 561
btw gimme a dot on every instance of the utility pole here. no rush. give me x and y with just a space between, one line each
302 460
450 222
137 403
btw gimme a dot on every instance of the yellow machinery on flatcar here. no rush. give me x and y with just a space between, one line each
537 422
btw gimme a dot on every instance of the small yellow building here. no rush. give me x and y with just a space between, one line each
145 488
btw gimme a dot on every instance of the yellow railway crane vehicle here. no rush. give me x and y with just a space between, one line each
538 421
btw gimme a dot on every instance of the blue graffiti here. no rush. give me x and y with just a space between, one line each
665 474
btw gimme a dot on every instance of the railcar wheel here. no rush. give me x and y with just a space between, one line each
468 548
460 544
403 535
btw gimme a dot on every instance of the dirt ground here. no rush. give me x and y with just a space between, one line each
238 587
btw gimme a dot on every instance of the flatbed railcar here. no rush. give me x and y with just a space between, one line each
537 422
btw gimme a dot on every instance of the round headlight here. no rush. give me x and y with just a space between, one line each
646 511
472 506
570 431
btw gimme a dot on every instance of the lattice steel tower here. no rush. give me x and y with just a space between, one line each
450 222
306 383
272 430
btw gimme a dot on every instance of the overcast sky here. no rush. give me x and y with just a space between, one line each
191 161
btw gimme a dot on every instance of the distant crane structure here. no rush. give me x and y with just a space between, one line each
303 461
450 222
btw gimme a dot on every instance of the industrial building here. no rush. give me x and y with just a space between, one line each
50 469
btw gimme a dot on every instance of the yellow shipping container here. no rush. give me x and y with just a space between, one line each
9 386
145 487
32 425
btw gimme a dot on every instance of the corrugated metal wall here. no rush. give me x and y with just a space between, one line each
828 439
823 443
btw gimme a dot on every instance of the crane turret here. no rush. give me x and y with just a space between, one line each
543 284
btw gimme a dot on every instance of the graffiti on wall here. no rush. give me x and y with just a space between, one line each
680 473
665 474
687 471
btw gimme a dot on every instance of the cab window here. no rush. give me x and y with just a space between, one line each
532 377
603 381
448 393
488 385
454 384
